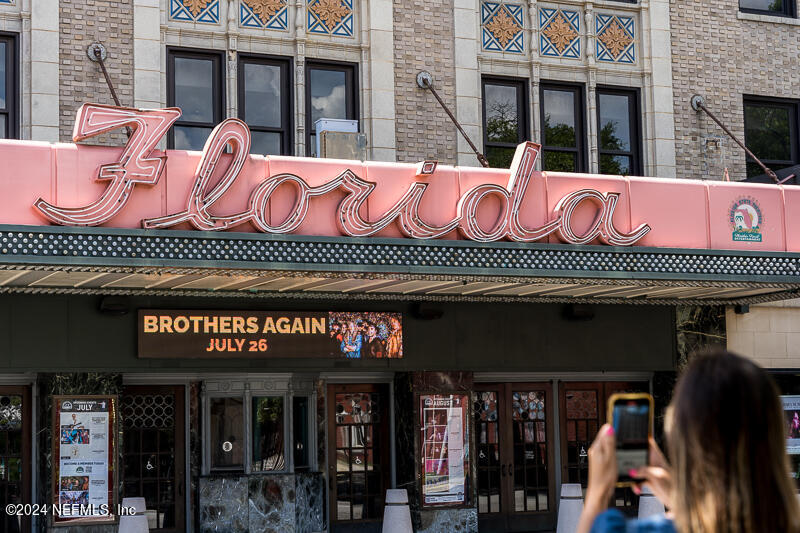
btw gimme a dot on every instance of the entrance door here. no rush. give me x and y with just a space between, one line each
513 432
15 455
153 464
582 408
358 456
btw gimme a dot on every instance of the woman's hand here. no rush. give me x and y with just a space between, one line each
657 477
602 477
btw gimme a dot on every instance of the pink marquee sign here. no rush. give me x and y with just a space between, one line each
140 186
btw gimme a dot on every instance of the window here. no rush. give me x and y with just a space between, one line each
770 132
330 93
265 104
8 87
505 123
264 429
781 8
562 128
195 84
618 139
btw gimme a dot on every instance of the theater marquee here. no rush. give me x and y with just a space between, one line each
219 334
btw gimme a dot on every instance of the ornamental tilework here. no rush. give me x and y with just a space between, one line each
330 17
615 39
559 34
206 11
501 27
266 14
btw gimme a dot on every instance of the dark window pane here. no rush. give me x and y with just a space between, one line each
559 118
328 94
762 5
768 131
265 143
227 432
3 73
499 157
191 138
615 164
3 133
560 161
300 426
615 128
502 123
262 95
313 151
194 93
268 434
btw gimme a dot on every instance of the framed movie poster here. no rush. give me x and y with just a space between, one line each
444 437
791 417
84 460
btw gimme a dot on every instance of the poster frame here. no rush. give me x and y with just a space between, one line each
420 443
112 477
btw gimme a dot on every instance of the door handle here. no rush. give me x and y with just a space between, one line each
503 471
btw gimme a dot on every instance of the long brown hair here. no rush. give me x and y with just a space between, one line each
727 444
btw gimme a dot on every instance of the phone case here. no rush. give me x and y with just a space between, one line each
610 418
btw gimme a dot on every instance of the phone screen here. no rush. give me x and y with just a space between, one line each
631 420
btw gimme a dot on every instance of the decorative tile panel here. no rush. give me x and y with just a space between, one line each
615 38
206 11
330 17
560 33
266 14
501 27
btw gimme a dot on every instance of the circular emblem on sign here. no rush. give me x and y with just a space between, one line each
66 405
745 219
227 446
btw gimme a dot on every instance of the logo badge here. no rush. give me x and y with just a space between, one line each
745 220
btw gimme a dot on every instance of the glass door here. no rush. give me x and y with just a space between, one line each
358 460
582 410
514 457
153 440
15 455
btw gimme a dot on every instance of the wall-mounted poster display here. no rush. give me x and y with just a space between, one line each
207 334
444 448
791 416
84 452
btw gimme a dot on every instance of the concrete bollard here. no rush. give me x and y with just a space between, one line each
396 514
136 523
649 505
569 508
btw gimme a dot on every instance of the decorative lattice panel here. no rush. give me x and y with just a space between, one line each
140 411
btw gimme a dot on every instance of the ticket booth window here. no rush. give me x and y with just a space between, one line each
268 434
227 433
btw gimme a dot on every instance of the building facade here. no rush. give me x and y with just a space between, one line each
514 347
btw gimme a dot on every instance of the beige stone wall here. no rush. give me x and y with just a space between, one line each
424 40
722 54
81 23
769 333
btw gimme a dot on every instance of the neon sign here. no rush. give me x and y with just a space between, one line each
149 126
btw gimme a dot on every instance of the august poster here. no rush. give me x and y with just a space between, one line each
444 448
84 446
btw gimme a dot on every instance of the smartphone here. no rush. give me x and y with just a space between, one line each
631 415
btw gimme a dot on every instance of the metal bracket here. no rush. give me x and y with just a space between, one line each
96 52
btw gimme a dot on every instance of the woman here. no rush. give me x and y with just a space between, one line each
351 342
729 472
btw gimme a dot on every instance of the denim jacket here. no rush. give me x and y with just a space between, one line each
613 521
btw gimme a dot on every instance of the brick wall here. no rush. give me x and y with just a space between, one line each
83 22
423 40
769 333
721 57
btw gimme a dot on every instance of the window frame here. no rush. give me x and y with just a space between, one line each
789 10
634 122
351 96
218 87
11 111
248 388
287 97
523 126
579 89
794 129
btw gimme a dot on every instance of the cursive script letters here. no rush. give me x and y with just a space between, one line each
134 167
